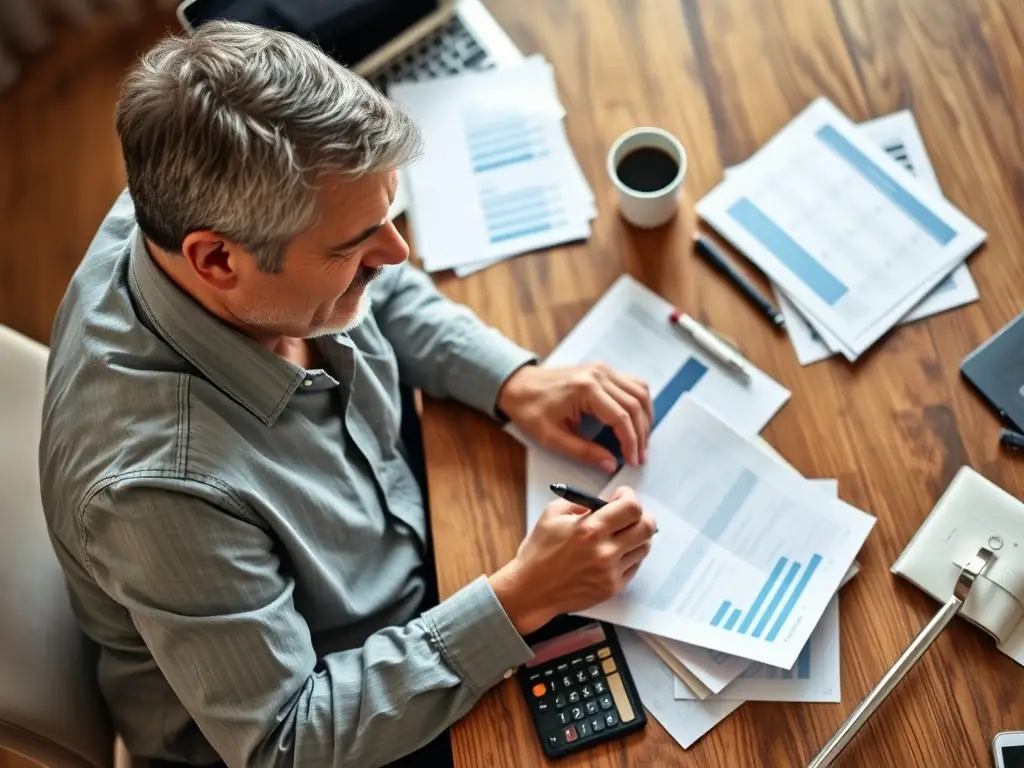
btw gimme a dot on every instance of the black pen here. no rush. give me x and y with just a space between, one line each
576 496
1014 441
714 256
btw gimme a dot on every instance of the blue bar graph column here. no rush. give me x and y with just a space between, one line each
733 618
803 663
774 604
793 598
721 613
763 595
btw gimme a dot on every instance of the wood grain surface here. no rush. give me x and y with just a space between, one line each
723 76
894 428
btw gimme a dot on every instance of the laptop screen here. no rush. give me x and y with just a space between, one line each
348 30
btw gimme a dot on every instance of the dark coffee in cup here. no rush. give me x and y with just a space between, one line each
647 169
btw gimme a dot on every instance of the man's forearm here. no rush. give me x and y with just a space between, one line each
442 347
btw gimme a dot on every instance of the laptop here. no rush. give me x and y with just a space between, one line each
397 41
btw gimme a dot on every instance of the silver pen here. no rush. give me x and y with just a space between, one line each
711 345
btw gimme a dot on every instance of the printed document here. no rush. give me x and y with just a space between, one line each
854 241
814 677
685 721
628 329
748 554
898 135
715 670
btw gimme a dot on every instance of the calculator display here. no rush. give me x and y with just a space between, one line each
565 644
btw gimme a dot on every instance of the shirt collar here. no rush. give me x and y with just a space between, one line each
247 372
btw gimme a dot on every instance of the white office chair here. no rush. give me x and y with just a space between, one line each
50 706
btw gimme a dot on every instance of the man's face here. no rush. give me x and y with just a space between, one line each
322 287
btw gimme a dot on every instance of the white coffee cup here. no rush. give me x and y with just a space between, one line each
648 209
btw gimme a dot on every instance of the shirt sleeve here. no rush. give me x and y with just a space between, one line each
442 347
209 597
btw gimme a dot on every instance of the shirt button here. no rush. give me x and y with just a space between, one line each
509 673
307 383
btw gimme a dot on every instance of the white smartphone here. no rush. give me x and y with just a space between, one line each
1008 749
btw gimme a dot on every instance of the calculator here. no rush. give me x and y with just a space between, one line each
578 687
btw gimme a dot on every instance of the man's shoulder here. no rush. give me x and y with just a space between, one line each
118 397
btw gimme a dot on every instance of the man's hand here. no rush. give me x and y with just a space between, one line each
548 403
572 560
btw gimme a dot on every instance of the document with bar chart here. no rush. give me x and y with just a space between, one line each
498 176
628 329
715 670
814 677
821 210
748 553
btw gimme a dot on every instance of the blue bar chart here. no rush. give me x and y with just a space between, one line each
522 212
503 141
801 671
785 584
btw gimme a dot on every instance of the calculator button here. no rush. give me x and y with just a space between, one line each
592 707
590 658
570 734
548 672
560 701
621 699
597 724
567 682
574 662
574 697
539 690
593 671
584 729
604 653
586 692
610 719
606 702
562 667
599 688
543 706
563 718
578 713
551 686
552 741
608 665
534 677
581 676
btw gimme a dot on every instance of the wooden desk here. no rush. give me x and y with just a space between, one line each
724 76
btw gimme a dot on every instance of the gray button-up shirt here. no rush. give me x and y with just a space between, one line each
242 537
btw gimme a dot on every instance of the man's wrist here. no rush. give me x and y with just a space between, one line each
518 599
502 405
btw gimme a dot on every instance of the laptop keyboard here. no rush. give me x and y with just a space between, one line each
449 50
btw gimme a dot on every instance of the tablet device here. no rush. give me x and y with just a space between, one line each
996 371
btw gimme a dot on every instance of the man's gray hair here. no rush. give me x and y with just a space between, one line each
232 129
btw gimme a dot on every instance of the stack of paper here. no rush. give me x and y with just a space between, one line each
851 239
498 177
737 599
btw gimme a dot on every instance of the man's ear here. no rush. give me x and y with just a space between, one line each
214 259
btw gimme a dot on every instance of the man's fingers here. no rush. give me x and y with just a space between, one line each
638 533
607 410
617 515
637 413
579 448
635 556
637 388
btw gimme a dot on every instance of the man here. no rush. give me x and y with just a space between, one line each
224 475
